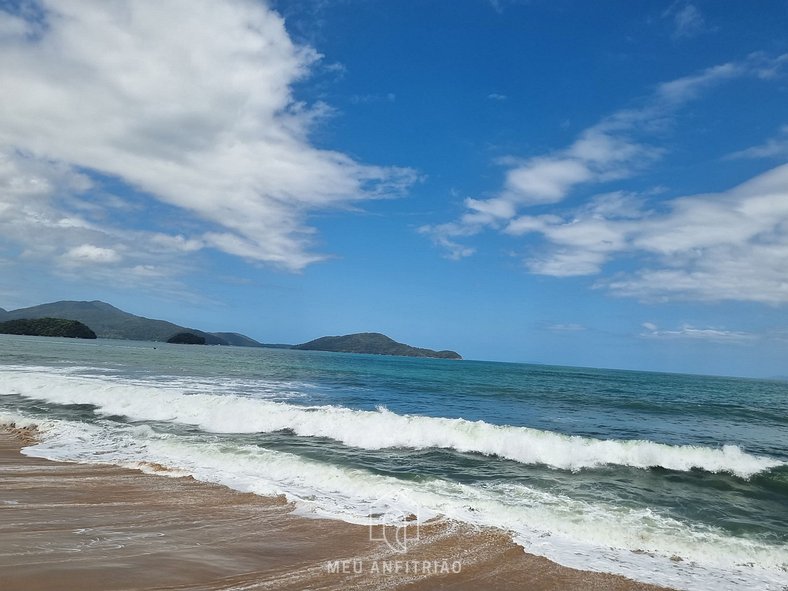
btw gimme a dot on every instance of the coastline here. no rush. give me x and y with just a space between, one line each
85 526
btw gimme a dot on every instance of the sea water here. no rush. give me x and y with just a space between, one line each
673 479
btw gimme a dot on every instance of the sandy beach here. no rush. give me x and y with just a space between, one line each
75 526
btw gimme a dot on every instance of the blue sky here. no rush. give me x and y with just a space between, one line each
599 184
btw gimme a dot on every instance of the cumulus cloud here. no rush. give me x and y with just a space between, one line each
615 148
598 155
725 246
189 102
92 254
46 219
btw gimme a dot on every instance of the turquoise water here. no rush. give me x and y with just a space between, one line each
675 479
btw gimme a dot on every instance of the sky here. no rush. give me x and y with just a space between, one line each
577 183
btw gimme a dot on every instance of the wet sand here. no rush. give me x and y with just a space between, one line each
67 526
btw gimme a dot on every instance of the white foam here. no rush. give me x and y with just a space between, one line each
372 429
591 536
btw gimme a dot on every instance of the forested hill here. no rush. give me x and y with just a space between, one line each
109 322
47 327
373 343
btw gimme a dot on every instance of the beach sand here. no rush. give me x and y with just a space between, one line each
67 526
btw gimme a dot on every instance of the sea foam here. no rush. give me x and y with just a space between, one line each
365 429
637 543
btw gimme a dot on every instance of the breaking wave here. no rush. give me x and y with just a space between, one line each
380 429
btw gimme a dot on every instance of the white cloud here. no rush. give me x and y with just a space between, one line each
176 243
729 246
597 155
545 180
776 147
90 253
566 263
688 87
687 20
689 332
188 101
726 246
601 153
442 237
46 219
610 150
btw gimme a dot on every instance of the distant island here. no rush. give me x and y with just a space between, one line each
105 321
47 327
372 343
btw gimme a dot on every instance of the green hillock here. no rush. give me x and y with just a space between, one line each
47 327
372 343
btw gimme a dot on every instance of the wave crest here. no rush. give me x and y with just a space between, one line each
378 429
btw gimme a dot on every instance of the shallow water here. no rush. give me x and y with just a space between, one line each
674 479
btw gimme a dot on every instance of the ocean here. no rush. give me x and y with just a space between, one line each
677 480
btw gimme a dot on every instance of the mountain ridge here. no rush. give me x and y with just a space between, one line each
109 322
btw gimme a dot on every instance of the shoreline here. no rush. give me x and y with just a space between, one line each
87 526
